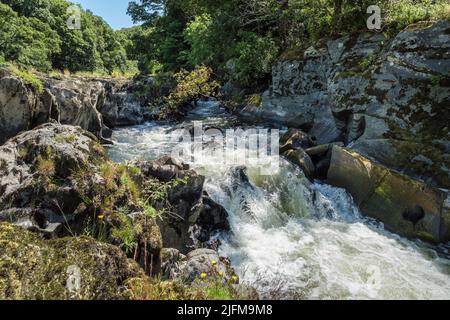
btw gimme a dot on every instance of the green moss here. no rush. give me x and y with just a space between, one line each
31 268
254 100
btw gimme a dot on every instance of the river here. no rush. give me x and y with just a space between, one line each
292 239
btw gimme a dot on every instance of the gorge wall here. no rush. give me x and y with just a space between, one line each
95 105
388 99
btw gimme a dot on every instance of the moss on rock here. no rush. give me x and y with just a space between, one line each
32 268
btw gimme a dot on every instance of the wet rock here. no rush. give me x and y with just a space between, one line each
294 139
70 268
121 107
406 206
300 158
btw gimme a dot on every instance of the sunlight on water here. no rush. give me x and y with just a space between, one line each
294 239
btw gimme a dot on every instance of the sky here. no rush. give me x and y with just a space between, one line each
112 11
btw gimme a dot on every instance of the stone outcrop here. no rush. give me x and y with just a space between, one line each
193 216
21 107
45 177
56 181
389 99
405 205
96 105
122 106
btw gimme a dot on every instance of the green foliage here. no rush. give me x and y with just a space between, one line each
368 61
127 232
254 100
254 58
29 78
241 38
189 87
35 34
401 13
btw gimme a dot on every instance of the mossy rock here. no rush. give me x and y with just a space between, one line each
32 268
405 205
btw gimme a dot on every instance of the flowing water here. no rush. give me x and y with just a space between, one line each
292 239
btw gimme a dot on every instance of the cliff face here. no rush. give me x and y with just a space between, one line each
95 105
389 99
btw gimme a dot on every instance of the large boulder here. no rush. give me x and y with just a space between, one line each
47 175
78 100
69 268
406 206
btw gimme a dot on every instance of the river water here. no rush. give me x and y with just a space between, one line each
292 239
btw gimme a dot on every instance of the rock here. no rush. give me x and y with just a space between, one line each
95 105
193 217
406 206
121 107
245 291
294 139
171 259
61 269
78 101
300 158
322 149
205 261
21 107
53 175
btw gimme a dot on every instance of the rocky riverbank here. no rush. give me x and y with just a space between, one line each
388 101
96 105
386 98
56 181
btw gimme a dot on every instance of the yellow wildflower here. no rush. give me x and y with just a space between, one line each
234 278
214 262
203 275
101 217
